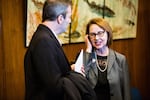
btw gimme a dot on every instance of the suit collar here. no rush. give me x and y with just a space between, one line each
111 59
50 33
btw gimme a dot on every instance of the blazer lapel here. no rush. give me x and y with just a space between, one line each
111 59
95 69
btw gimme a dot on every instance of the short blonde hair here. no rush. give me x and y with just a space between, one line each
103 24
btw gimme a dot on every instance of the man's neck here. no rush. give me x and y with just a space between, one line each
52 26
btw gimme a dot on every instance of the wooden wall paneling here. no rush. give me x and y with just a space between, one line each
141 64
148 48
13 43
2 83
1 63
72 50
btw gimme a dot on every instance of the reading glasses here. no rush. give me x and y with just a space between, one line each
99 34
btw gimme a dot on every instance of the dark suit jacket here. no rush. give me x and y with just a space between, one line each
45 63
117 74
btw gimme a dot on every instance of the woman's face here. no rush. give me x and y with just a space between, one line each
98 36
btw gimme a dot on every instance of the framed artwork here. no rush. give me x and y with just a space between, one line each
121 14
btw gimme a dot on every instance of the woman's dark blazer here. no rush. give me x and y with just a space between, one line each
45 63
117 74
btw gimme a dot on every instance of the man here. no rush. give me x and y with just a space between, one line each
45 62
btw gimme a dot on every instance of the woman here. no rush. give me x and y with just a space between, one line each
105 69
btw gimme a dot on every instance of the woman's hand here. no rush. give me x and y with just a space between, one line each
88 44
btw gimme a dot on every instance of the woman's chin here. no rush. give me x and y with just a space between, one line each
98 46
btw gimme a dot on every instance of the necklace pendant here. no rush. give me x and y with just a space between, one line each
101 64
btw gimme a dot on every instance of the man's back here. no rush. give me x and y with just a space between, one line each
45 64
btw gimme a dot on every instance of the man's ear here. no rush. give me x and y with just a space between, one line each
60 19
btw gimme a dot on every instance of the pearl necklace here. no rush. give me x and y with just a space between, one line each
102 70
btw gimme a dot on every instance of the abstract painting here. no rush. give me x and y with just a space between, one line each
121 14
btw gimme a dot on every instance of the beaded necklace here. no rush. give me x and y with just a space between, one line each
106 65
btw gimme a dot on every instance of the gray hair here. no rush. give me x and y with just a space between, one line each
53 8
